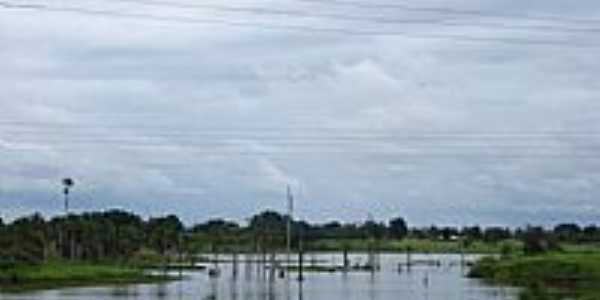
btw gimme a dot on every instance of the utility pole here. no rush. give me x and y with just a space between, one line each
300 260
290 203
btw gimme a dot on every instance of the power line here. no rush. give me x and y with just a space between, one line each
346 17
326 141
162 128
375 152
416 153
299 28
452 11
289 138
82 135
49 129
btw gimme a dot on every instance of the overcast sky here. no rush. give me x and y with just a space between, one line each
446 112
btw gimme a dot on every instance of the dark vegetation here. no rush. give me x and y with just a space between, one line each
26 277
118 236
75 249
561 264
107 236
548 276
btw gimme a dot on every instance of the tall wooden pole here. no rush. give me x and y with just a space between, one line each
290 203
300 262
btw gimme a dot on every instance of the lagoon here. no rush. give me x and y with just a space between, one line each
445 281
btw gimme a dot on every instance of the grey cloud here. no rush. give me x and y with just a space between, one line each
208 121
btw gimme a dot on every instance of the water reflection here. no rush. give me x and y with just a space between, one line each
300 289
161 291
372 286
539 292
129 292
254 282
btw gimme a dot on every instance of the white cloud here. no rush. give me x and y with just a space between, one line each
162 117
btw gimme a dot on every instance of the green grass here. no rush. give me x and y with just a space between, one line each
61 274
581 248
548 276
416 245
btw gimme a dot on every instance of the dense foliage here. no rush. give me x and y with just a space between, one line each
118 236
551 276
111 235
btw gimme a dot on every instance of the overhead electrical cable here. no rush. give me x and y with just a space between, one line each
299 28
455 11
369 19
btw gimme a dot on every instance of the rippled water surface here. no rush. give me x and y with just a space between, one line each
444 282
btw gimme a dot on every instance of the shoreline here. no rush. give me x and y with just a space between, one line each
552 275
51 276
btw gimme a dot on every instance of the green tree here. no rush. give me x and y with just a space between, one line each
398 228
164 233
567 232
27 240
537 241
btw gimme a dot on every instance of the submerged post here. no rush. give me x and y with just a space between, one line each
300 262
272 266
248 264
370 257
408 258
263 260
346 261
235 264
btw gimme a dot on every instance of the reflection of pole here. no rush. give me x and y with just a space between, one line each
462 254
408 258
235 264
300 292
263 258
346 261
371 243
273 267
247 266
300 262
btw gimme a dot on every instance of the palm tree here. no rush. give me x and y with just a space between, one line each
67 184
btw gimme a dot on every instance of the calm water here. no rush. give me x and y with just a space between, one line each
446 282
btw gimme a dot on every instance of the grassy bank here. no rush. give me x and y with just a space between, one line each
22 278
548 276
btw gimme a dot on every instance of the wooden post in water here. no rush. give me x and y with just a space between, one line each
273 267
234 268
180 254
408 258
346 261
370 257
462 254
263 260
377 255
300 262
248 264
288 240
256 257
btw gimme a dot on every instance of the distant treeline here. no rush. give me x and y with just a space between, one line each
119 236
